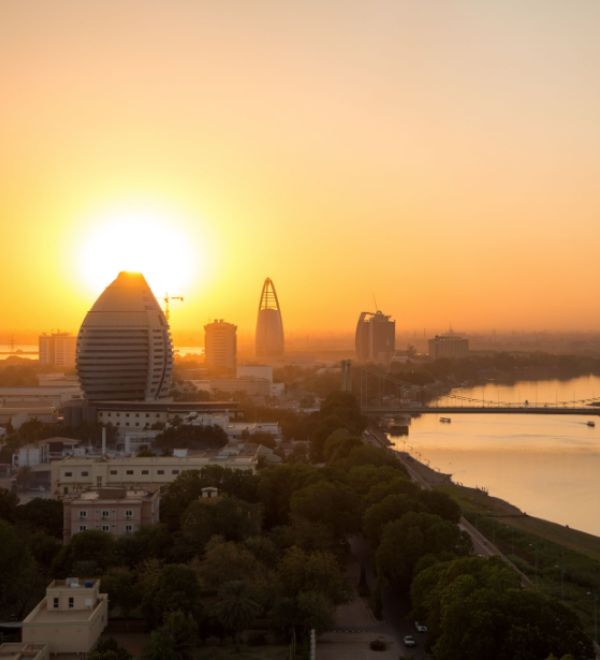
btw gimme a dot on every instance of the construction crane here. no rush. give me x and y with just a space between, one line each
166 299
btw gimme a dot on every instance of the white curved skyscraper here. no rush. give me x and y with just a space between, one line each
269 326
124 347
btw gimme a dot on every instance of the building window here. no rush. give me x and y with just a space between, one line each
126 414
161 471
71 602
105 514
68 474
82 528
128 513
66 490
137 423
118 414
145 472
113 472
137 414
175 471
129 471
110 414
83 514
85 474
128 529
55 603
147 414
126 423
106 528
158 414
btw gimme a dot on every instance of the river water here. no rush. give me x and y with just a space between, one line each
547 465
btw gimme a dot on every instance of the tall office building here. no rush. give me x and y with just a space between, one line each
220 344
57 349
269 326
449 346
375 338
124 347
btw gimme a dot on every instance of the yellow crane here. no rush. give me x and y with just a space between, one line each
166 299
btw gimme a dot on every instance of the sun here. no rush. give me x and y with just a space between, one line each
151 241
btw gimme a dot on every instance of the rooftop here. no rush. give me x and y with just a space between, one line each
113 494
21 650
167 406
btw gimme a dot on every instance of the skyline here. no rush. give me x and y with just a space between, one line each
442 159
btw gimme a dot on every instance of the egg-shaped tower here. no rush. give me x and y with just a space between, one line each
124 347
269 326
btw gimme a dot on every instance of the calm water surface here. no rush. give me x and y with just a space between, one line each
547 465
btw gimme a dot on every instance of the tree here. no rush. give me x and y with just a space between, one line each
8 505
25 478
225 561
393 507
175 640
122 588
17 571
145 452
309 610
235 608
396 486
109 649
316 572
364 477
41 514
229 517
176 587
331 504
370 455
93 547
406 541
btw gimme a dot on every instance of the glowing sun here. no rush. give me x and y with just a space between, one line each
148 241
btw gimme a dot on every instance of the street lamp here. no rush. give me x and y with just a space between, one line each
589 593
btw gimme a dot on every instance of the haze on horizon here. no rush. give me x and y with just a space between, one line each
442 156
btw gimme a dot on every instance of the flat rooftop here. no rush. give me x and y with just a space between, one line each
166 406
21 650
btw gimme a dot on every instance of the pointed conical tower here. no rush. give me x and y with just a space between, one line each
269 326
124 347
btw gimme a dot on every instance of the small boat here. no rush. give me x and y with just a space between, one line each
445 420
590 423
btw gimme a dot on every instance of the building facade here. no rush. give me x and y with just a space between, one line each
220 345
375 339
269 340
124 347
448 346
70 618
116 510
81 472
24 651
57 349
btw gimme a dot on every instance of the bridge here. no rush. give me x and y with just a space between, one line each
512 410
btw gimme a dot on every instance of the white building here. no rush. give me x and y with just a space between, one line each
262 371
57 349
43 451
239 430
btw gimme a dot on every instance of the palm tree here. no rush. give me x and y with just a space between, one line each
235 608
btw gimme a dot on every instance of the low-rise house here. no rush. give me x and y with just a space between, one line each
69 619
115 510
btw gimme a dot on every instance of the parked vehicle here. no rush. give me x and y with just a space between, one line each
409 640
420 627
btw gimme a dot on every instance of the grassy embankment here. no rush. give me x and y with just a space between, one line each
568 561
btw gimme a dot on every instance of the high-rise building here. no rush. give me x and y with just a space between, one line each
57 349
124 347
449 346
269 326
220 344
375 338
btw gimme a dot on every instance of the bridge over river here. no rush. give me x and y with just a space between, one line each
492 410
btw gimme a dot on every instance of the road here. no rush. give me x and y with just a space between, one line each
395 610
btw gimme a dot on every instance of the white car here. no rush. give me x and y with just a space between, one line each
409 641
420 627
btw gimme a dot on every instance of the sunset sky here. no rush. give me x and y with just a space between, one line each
440 155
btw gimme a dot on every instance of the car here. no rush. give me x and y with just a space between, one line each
420 627
409 640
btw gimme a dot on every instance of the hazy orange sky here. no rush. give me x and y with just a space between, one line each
441 155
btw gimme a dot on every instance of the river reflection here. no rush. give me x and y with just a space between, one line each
547 465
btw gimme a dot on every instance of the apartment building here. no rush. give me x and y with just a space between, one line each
115 510
70 619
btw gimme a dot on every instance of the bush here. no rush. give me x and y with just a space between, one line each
377 645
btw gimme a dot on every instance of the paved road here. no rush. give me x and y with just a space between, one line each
395 610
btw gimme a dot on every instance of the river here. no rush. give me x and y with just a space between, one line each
547 465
